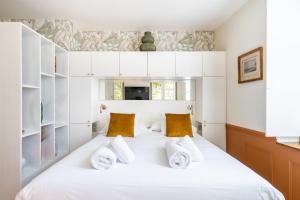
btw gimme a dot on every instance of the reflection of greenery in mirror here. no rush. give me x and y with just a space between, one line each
156 91
118 90
169 90
163 90
183 90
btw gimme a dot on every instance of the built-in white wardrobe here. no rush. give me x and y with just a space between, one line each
34 105
208 68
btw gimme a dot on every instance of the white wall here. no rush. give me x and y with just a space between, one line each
283 83
244 31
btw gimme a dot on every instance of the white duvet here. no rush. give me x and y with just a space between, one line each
149 177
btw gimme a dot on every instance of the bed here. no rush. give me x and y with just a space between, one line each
218 177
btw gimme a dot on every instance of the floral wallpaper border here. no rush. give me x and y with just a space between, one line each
64 33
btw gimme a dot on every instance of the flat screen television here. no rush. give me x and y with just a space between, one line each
137 93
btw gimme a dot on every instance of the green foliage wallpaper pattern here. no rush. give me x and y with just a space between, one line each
64 33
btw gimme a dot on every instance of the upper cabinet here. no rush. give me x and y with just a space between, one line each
133 64
148 64
161 64
80 63
105 64
189 64
214 63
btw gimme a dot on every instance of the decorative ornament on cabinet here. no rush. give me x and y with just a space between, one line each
147 42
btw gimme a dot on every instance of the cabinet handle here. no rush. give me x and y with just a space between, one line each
88 74
88 125
89 121
204 123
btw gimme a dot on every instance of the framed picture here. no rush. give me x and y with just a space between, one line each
250 66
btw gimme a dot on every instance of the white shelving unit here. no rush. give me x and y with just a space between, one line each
36 71
61 102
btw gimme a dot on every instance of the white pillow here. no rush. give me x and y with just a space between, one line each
156 126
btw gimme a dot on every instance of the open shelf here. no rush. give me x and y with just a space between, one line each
61 141
48 100
31 57
60 124
47 123
61 101
57 75
30 110
48 56
61 61
31 154
47 142
45 75
30 87
30 132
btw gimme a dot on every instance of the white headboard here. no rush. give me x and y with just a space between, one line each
149 110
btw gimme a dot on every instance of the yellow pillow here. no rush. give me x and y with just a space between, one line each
178 125
121 124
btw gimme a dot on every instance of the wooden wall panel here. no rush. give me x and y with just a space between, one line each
277 163
294 177
259 160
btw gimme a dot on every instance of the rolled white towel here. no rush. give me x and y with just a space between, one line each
187 143
104 158
178 157
122 150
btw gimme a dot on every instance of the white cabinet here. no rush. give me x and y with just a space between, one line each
83 109
189 64
216 134
161 64
80 63
80 99
79 135
133 64
214 63
105 64
214 100
214 110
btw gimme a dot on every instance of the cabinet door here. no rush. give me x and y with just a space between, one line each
105 64
80 99
214 100
133 64
214 63
161 64
189 64
80 63
79 135
216 134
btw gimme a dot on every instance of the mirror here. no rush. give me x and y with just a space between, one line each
147 90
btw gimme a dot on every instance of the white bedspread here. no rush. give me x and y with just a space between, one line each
149 177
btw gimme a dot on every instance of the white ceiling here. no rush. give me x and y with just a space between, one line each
127 14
